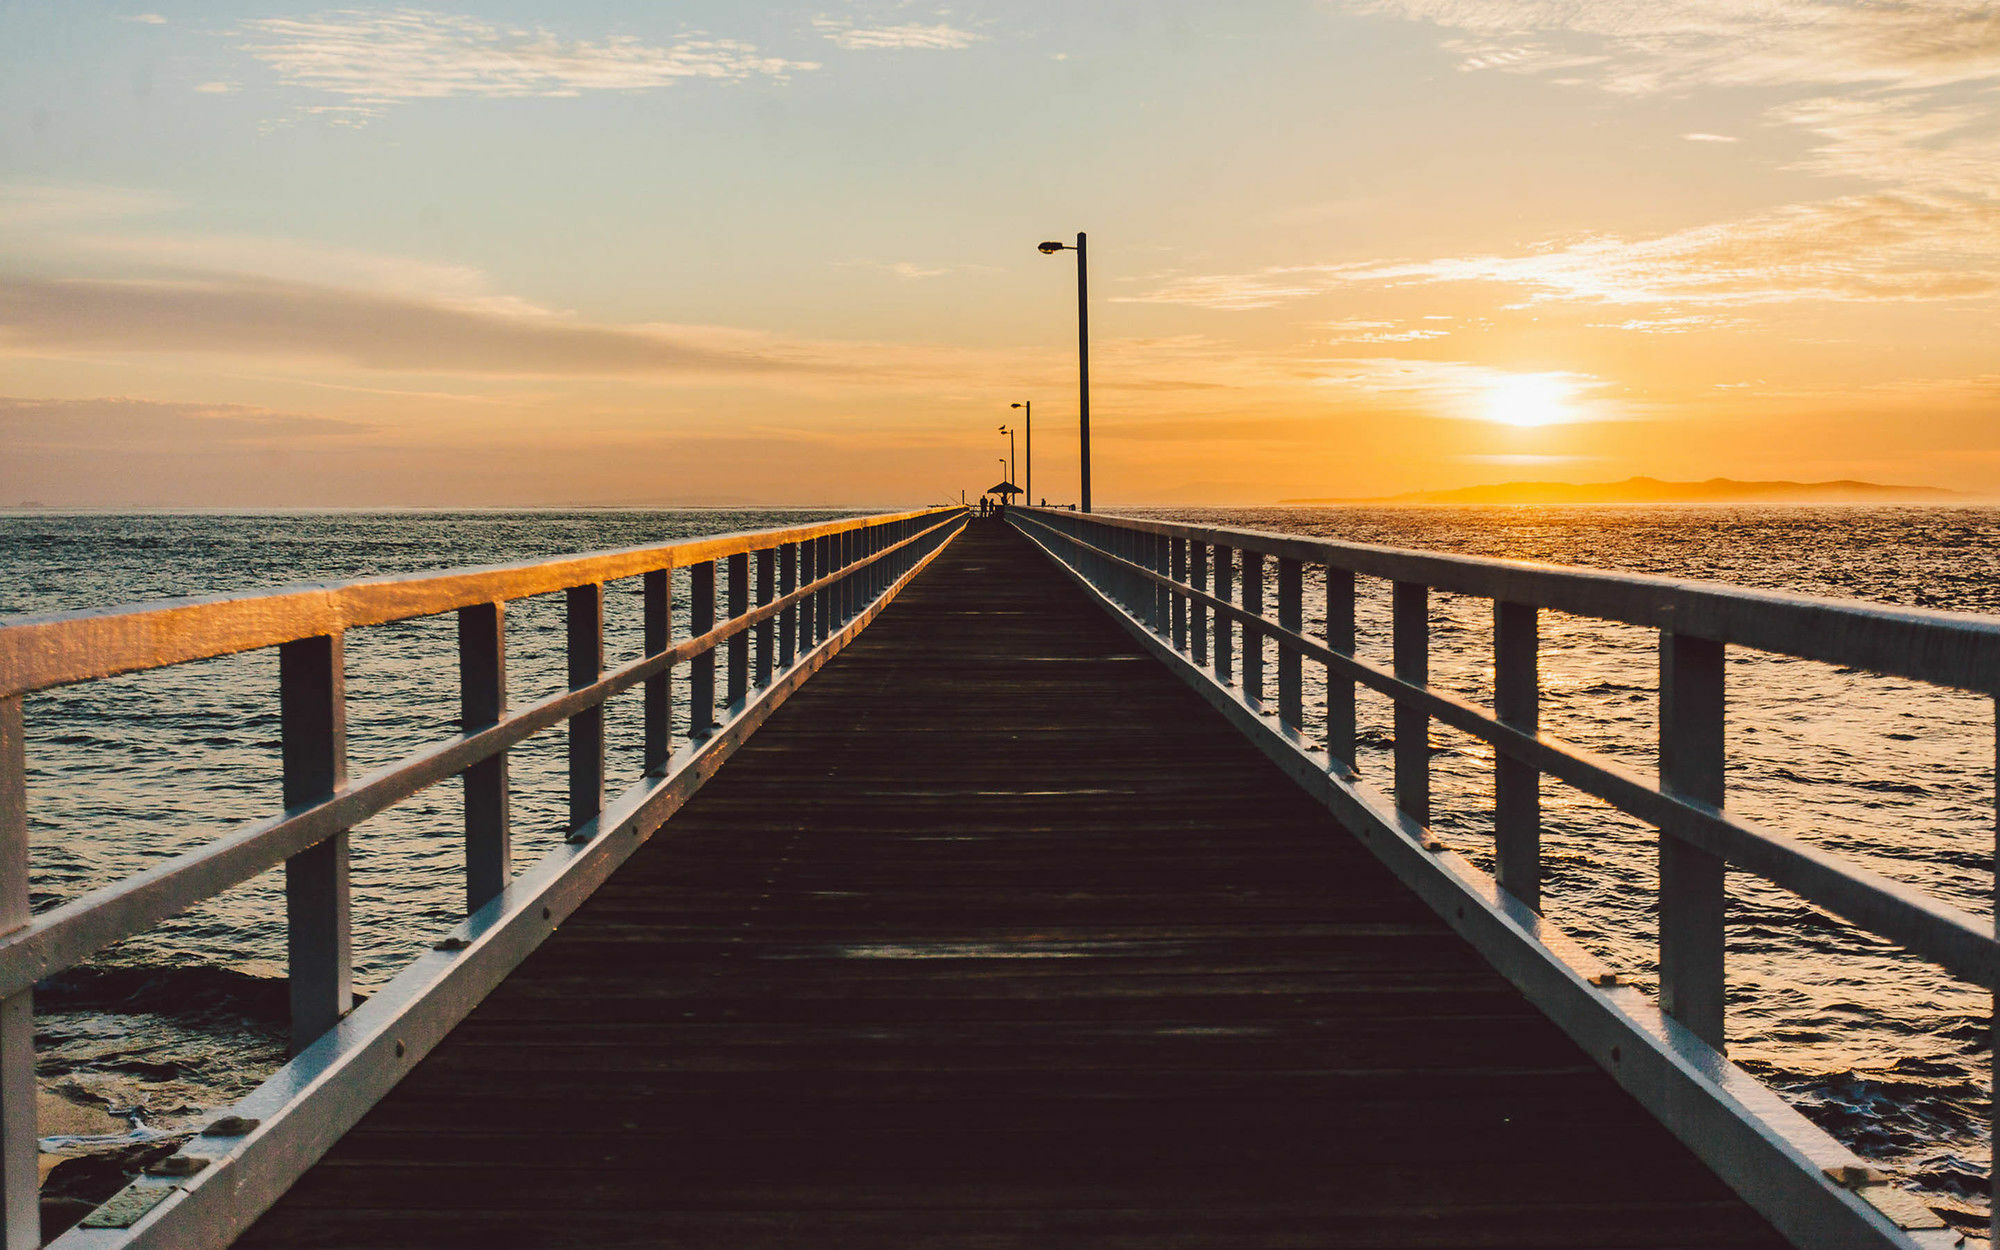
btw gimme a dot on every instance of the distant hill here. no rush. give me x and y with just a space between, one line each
1653 490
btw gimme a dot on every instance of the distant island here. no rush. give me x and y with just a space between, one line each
1653 490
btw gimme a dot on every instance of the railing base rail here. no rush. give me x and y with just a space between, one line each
250 1155
1812 1189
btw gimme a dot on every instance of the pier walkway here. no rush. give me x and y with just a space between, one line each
997 935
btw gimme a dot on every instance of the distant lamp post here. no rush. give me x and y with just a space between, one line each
1082 352
1009 461
1028 442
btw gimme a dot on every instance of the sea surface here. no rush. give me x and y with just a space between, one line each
1890 1055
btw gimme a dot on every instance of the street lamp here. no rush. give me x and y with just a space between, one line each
1028 442
1082 352
1009 461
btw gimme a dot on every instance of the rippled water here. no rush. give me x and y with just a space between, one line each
125 772
1890 1055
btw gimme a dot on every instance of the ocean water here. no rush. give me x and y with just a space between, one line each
1886 1052
126 772
1890 1055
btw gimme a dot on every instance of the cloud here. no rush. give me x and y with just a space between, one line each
1901 101
55 204
1683 323
911 271
1652 46
1881 247
1353 331
1242 292
910 35
147 19
216 88
366 329
374 59
30 425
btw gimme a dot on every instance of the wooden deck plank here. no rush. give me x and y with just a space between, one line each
995 936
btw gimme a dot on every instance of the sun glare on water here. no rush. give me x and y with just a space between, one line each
1530 399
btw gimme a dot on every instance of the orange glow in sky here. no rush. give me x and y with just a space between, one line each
290 254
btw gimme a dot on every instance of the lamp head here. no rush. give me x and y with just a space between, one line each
1050 248
1016 405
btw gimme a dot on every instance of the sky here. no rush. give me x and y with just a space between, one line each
258 254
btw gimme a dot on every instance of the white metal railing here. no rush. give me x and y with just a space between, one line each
790 597
1210 599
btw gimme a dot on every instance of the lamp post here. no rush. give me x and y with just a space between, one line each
1009 461
1028 442
1082 353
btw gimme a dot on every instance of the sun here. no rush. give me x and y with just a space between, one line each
1530 399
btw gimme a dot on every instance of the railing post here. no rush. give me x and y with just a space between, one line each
659 690
20 1183
1411 644
1198 612
739 642
1253 636
1339 687
767 630
850 584
788 619
1162 601
482 700
1291 665
585 617
701 670
1177 568
1517 785
808 570
1224 639
843 556
823 567
312 702
1691 880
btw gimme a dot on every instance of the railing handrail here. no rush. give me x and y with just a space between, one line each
1196 597
44 650
65 935
1957 649
1956 940
747 647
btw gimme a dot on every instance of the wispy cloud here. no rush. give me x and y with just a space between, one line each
371 60
1355 331
936 36
1648 46
33 204
1915 118
912 271
1857 248
119 423
216 88
370 330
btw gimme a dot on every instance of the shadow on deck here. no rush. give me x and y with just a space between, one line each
996 935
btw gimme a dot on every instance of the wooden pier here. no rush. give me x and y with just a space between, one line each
990 883
995 935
